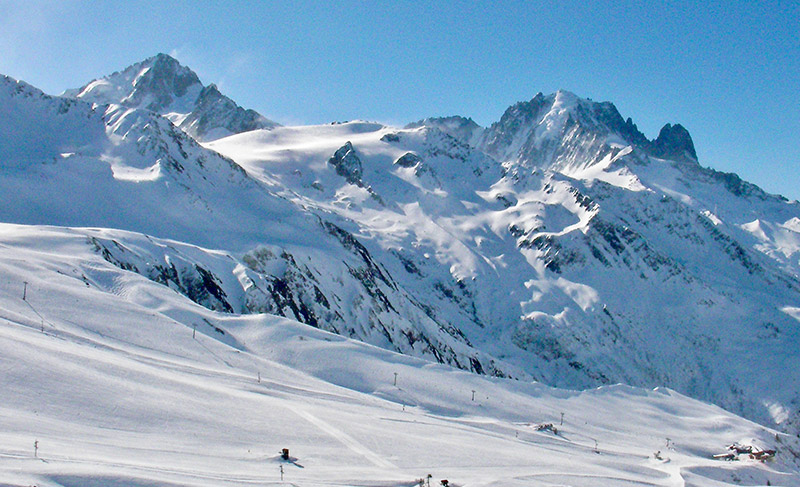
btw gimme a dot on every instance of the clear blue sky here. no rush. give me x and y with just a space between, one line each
728 71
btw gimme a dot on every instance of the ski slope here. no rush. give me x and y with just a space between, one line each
124 382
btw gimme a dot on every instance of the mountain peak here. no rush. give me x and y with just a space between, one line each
155 84
674 141
163 85
562 130
161 80
160 61
537 132
564 98
164 58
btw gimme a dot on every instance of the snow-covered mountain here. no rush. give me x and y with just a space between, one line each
161 84
627 268
566 133
202 225
558 244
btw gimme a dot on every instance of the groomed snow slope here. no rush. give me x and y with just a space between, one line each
101 368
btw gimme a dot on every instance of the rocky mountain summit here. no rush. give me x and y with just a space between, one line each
562 131
673 142
162 85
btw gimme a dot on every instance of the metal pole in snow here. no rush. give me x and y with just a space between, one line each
562 419
24 290
36 449
395 378
259 377
473 394
194 331
281 473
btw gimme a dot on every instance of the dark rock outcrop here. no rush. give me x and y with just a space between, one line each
409 159
347 164
673 142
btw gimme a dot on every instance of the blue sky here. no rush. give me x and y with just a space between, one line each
727 71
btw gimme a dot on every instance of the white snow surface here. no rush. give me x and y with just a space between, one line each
110 379
552 249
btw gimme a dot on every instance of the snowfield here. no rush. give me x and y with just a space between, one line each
187 288
123 382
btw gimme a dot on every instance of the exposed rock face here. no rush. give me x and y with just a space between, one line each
159 83
560 131
673 142
291 284
563 132
409 159
347 164
516 120
215 113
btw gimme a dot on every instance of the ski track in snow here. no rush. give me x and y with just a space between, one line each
420 437
345 439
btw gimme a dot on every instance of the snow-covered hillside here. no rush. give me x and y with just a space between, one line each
559 244
198 223
111 379
630 269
